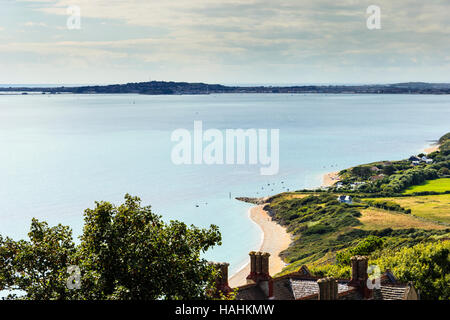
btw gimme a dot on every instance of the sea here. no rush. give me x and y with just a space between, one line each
61 153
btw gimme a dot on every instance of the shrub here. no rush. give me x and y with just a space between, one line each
364 248
387 205
331 270
426 265
444 171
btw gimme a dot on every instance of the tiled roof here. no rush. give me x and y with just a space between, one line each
351 294
300 286
250 292
303 288
282 289
390 292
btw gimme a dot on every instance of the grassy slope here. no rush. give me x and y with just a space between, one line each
434 207
375 219
323 227
439 185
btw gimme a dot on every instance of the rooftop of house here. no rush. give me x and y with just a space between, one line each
297 286
344 199
302 285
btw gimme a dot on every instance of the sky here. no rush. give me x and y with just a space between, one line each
223 41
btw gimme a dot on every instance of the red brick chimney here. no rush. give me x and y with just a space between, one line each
328 289
259 272
359 275
252 274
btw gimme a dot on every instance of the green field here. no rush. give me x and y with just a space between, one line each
433 207
377 219
438 185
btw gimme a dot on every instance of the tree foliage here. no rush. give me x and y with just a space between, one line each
361 171
126 252
387 205
364 248
411 177
39 266
426 265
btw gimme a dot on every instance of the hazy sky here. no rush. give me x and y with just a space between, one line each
224 41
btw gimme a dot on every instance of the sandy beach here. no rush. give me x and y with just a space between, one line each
330 178
276 239
431 149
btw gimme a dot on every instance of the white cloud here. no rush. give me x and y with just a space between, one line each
253 22
240 34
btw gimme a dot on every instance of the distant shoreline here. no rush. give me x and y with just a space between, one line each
182 88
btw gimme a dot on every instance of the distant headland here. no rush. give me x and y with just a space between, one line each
176 88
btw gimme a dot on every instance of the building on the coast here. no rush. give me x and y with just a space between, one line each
426 159
357 185
345 199
416 160
301 285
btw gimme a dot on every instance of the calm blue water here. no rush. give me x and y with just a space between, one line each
59 154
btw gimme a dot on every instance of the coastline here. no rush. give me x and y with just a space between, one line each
330 178
431 149
275 239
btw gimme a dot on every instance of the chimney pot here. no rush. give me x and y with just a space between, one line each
265 263
323 289
252 255
354 264
259 272
359 275
328 289
362 268
333 289
258 262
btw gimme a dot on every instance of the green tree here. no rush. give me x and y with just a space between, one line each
361 171
126 252
388 170
444 138
363 248
37 267
444 171
426 265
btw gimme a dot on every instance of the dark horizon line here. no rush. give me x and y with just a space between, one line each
229 84
178 88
